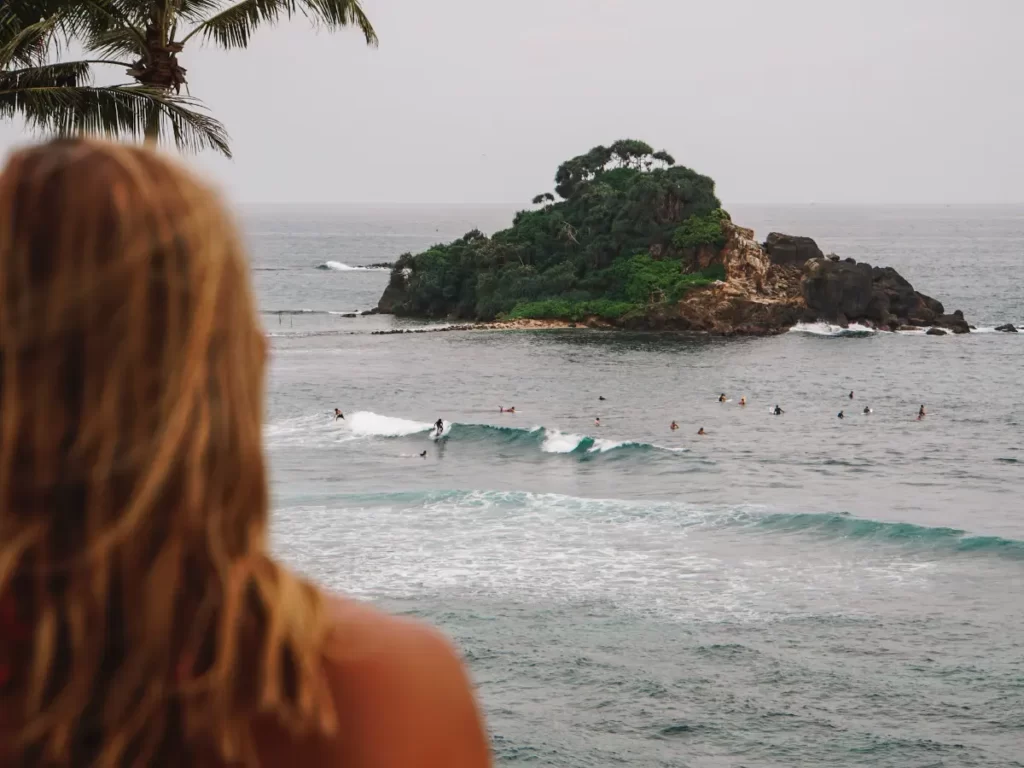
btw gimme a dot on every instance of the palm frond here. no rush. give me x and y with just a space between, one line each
114 111
89 20
62 74
24 44
196 11
234 26
335 14
117 41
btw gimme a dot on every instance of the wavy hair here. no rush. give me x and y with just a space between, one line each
141 620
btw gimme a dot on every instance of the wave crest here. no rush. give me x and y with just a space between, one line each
337 266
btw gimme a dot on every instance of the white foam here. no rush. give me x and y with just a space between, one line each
337 266
560 442
672 559
311 430
368 424
992 329
603 445
827 329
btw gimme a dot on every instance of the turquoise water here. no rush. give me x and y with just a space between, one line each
792 590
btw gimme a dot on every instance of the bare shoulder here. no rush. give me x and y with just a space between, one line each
402 692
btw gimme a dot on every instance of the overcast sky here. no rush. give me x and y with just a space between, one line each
837 101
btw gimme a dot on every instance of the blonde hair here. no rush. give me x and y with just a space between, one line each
133 491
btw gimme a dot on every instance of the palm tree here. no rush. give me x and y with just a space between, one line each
144 37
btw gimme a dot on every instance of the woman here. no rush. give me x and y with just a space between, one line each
142 620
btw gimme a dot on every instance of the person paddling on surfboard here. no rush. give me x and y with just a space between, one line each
721 398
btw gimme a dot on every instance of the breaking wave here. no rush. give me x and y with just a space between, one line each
827 329
748 518
366 424
337 266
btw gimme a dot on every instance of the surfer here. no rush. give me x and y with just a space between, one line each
503 409
867 410
841 416
851 394
743 401
338 414
600 397
423 455
439 427
778 411
721 398
920 413
673 426
597 422
701 432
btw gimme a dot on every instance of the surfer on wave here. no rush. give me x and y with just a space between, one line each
338 414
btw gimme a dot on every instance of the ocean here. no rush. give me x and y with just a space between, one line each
793 590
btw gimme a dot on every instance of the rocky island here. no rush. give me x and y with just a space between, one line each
634 241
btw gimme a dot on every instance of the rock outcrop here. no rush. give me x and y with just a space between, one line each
771 287
1008 328
393 295
791 250
877 296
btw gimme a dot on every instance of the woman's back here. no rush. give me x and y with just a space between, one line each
143 621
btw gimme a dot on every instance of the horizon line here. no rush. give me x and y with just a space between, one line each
432 203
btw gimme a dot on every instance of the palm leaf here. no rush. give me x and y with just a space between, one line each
234 26
196 11
117 41
24 44
120 111
63 74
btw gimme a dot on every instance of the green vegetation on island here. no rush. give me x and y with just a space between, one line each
627 233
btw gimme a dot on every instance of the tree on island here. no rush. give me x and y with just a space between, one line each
625 235
145 38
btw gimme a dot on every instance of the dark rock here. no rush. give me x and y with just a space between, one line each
374 311
350 314
790 250
394 295
1008 328
833 257
935 332
834 288
954 322
850 260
